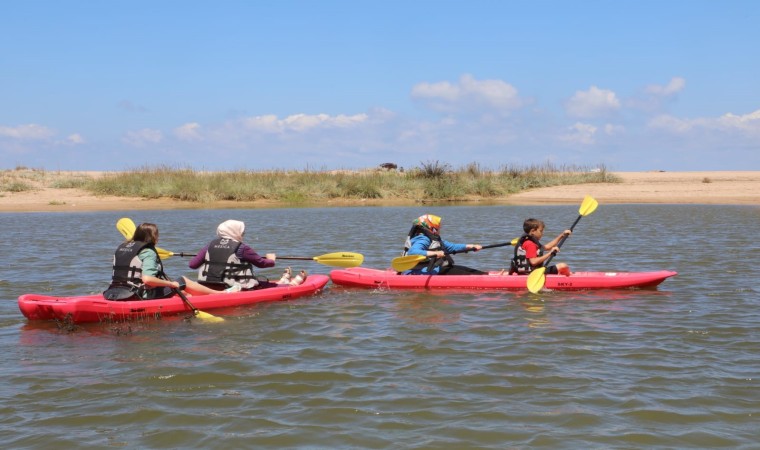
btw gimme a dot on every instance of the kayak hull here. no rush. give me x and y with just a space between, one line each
389 279
94 308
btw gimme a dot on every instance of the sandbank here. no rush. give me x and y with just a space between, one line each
709 187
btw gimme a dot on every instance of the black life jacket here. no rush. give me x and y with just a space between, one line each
221 265
435 245
520 263
126 280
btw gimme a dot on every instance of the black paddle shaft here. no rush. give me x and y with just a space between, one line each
503 244
184 298
435 261
562 241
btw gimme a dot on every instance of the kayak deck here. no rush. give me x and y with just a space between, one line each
94 308
389 279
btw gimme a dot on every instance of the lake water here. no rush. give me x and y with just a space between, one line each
677 367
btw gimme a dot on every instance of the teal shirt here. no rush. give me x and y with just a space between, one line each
150 264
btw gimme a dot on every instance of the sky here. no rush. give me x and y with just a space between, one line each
640 85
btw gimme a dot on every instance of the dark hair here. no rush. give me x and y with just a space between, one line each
146 232
532 224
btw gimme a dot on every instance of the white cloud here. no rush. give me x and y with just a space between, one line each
673 87
188 132
612 130
302 122
747 123
469 94
140 138
580 133
442 90
592 103
29 132
654 97
75 139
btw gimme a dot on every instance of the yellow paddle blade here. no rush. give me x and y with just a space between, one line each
163 254
126 227
536 280
403 263
340 259
588 206
206 317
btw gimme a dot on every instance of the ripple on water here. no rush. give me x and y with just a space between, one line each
670 368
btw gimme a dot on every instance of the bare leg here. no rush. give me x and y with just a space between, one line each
285 279
299 279
197 289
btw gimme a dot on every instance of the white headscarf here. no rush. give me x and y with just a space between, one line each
231 229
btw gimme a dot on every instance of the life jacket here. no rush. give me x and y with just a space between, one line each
221 265
126 280
520 263
435 245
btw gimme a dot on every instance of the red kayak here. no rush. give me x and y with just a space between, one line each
94 308
389 279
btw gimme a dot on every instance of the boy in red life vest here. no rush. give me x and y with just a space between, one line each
530 253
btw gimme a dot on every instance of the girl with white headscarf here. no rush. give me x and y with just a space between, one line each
227 262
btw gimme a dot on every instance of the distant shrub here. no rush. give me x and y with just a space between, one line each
433 169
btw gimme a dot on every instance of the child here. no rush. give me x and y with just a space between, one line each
227 262
424 239
529 252
139 272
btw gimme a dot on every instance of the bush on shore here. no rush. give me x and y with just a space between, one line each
432 181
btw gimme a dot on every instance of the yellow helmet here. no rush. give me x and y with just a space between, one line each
429 221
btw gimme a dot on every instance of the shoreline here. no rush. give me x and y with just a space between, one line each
703 187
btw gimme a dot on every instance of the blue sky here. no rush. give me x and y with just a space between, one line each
253 85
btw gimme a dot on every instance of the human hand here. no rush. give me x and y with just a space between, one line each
437 254
475 247
567 232
271 256
555 250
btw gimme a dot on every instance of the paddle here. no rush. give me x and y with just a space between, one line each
127 228
537 277
403 263
196 312
338 259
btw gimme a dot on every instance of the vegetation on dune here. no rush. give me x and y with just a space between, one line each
23 179
431 181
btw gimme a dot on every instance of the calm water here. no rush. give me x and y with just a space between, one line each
678 367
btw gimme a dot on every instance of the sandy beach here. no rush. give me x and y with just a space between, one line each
730 188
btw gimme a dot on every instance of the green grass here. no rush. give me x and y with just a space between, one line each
431 181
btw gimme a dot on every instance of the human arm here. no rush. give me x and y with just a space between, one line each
551 246
459 248
150 270
198 259
420 245
531 254
247 254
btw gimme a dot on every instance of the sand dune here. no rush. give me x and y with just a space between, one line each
738 188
